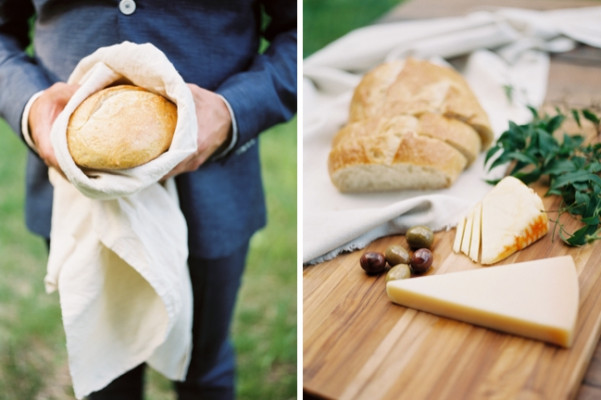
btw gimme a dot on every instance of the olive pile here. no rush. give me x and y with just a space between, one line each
401 262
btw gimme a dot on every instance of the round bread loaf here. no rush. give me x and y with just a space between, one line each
120 127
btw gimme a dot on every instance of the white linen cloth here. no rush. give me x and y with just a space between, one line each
118 254
507 50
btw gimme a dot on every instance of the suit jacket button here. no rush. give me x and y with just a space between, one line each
127 7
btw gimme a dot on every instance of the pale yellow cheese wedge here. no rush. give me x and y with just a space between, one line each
536 299
474 252
510 217
513 217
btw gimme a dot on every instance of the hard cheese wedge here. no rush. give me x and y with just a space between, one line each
510 217
536 299
513 217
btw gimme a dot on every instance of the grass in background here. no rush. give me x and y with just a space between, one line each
325 21
31 351
33 360
265 323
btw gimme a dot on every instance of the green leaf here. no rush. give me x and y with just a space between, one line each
594 166
584 235
559 166
591 116
577 238
492 181
523 157
504 158
490 153
555 123
581 186
528 177
576 116
533 111
570 143
592 220
576 176
547 144
508 92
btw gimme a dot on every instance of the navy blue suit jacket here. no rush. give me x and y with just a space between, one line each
212 43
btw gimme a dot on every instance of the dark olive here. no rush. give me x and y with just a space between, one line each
373 262
419 237
421 261
400 271
397 254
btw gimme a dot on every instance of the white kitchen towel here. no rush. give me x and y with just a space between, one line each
507 52
118 254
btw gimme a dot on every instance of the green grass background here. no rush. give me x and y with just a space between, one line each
33 363
325 21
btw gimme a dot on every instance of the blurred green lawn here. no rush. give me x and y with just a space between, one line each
33 362
325 21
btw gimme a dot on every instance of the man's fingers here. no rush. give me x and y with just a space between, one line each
42 115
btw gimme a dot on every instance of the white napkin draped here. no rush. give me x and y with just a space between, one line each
118 255
507 67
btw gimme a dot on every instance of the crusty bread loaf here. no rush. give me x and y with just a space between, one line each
412 125
453 131
120 127
389 154
416 87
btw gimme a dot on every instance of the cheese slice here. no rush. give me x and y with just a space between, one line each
513 217
467 233
459 235
536 299
474 252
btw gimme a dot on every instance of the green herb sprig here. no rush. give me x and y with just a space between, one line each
571 167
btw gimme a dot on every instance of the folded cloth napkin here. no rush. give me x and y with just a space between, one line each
118 250
507 52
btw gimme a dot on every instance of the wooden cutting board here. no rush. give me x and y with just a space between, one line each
359 345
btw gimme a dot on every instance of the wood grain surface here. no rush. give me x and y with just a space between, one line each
359 345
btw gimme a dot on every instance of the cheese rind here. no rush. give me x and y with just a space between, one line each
536 299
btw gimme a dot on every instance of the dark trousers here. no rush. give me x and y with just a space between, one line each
211 375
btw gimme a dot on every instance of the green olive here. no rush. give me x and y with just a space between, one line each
400 271
397 254
419 237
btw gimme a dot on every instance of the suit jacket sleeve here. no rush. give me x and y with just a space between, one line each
266 93
20 77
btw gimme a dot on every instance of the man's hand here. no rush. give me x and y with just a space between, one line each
214 129
42 114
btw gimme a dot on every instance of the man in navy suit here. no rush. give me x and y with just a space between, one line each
239 91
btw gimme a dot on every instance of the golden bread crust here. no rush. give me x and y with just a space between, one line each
412 118
120 127
380 143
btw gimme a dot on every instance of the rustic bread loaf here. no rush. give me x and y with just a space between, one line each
389 154
412 125
120 127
